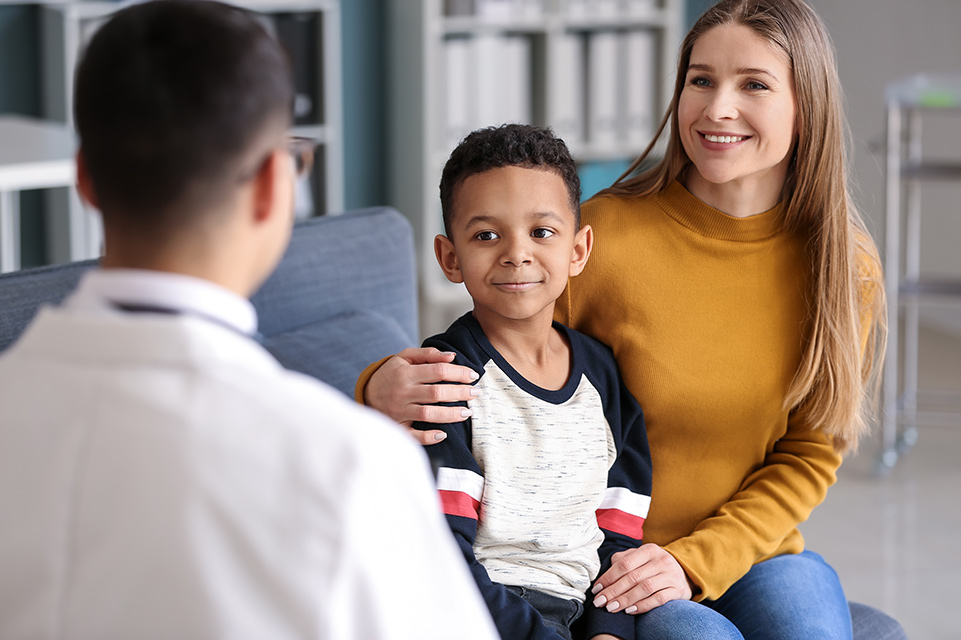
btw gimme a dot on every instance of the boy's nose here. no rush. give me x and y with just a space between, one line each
516 252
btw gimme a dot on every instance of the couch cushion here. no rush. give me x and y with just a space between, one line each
360 260
22 293
336 350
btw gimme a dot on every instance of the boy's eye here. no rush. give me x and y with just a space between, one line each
542 233
486 236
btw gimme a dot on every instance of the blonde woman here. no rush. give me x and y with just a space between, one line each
742 297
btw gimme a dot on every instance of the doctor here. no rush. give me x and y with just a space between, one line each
160 474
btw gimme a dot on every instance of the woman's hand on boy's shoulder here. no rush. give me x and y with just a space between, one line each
406 389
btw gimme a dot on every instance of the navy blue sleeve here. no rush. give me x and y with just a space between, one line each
627 499
460 485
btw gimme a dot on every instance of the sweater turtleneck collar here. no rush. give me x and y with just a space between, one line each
707 221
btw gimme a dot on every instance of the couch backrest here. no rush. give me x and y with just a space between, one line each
343 296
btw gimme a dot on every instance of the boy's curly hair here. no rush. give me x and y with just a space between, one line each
509 145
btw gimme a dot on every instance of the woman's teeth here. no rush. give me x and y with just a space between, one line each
724 139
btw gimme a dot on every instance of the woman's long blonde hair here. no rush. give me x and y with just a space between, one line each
847 324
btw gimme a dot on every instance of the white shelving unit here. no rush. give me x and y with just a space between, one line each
565 52
309 29
34 155
906 406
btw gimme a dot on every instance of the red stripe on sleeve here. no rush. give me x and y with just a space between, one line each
458 503
617 521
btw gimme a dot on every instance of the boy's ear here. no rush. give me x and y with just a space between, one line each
447 258
583 243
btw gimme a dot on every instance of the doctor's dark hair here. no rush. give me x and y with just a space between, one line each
172 99
509 145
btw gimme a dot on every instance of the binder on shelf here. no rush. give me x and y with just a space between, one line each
639 57
638 7
453 8
605 8
516 66
458 100
501 85
485 60
297 34
530 9
577 8
496 9
568 90
603 113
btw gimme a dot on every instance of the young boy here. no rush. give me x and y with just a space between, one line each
551 473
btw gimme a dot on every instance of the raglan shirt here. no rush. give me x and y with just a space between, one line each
541 487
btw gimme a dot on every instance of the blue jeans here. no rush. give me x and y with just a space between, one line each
790 597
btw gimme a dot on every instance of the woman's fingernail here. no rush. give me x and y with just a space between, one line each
466 413
612 606
630 609
474 391
599 601
597 588
440 435
473 375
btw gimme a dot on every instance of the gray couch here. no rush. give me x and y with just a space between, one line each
343 296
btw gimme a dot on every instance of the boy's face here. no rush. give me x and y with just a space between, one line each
513 243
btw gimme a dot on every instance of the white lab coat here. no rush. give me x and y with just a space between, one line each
161 476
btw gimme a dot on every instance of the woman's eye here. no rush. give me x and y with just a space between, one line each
542 233
486 236
754 85
699 81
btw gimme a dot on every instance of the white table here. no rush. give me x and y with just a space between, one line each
35 154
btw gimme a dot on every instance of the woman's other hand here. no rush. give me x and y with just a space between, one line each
405 388
641 579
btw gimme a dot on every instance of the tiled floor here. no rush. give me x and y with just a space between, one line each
896 540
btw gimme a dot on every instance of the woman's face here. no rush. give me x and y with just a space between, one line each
737 111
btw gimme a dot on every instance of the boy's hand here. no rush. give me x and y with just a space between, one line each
641 579
405 389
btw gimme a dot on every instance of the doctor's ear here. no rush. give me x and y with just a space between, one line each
84 183
447 258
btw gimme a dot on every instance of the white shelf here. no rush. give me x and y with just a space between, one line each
556 43
35 154
67 26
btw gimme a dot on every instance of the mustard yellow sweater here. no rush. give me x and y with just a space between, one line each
706 313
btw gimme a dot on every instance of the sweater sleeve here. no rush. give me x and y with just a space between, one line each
365 376
626 501
755 521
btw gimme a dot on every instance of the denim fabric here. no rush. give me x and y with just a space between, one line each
872 624
791 597
558 613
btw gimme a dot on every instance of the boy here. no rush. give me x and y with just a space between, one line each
551 473
161 476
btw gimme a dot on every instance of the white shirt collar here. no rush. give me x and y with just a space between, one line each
176 292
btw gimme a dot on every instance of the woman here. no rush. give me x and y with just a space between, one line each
742 297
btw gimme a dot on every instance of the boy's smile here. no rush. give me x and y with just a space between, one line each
514 243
